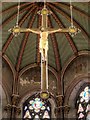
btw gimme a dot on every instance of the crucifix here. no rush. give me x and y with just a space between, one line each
44 31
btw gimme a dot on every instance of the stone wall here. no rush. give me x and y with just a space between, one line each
76 75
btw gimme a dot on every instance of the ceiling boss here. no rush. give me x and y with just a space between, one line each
44 31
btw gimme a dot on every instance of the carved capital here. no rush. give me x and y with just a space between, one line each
8 108
18 110
66 109
59 99
57 111
15 99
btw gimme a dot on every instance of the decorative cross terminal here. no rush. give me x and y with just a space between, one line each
44 31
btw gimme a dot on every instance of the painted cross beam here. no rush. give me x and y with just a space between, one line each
44 31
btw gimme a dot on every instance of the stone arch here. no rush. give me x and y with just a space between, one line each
77 74
71 94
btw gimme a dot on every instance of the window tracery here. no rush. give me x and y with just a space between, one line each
35 107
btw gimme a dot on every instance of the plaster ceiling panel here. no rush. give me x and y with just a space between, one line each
60 14
10 4
52 22
29 55
13 49
81 42
6 14
6 27
82 6
65 50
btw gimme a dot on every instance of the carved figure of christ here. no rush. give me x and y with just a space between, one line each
43 45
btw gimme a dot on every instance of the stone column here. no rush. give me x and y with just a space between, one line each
12 109
18 111
8 110
66 111
15 110
59 108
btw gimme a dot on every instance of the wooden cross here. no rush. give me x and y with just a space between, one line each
44 31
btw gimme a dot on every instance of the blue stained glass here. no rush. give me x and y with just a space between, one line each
84 94
89 91
36 104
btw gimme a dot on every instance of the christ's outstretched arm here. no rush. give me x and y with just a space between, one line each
21 30
53 30
63 30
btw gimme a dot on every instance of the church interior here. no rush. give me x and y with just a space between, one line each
53 85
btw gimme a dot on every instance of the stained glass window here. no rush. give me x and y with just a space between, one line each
83 104
35 107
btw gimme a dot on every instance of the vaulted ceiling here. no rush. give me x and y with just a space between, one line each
23 50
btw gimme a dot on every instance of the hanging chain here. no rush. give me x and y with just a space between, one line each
73 30
18 13
71 13
44 3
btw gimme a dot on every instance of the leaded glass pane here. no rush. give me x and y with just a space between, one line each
83 104
80 108
46 114
27 114
35 107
